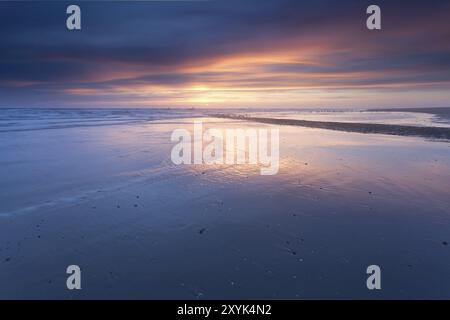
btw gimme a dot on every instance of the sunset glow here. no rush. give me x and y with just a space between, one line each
280 54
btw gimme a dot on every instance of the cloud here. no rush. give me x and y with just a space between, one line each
148 53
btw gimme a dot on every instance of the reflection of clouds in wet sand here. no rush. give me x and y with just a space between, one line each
340 202
336 162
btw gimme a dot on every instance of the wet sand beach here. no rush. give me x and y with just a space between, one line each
108 199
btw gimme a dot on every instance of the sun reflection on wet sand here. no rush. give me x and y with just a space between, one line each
339 202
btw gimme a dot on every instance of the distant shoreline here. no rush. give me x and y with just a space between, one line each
398 130
443 112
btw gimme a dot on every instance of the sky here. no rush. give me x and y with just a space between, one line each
225 53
